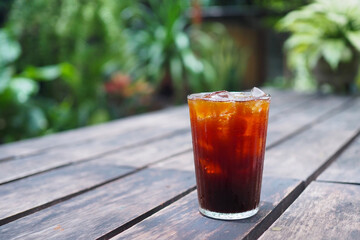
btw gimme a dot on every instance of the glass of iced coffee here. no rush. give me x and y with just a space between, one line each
229 134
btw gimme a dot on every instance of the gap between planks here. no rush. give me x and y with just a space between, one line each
335 156
82 131
72 195
337 182
145 215
347 104
311 179
132 145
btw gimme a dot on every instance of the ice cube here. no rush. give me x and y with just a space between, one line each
220 95
256 92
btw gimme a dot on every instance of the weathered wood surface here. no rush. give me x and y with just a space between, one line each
104 209
284 125
346 168
305 155
282 101
302 116
77 136
182 219
323 211
60 157
117 175
41 190
62 183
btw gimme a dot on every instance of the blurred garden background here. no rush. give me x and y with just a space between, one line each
71 63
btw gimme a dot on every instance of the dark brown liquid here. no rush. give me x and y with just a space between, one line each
229 145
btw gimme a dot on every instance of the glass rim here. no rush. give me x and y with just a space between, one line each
245 96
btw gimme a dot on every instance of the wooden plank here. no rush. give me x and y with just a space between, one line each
77 136
104 209
119 204
59 157
182 220
46 189
323 211
281 101
346 168
302 116
307 154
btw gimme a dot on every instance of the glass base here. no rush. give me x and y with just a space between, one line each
228 216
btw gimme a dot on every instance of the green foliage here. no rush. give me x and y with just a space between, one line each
163 45
28 107
63 63
167 48
327 29
280 5
85 33
17 111
223 65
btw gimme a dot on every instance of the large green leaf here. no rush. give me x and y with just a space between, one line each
22 88
5 77
332 52
182 41
300 40
9 49
191 62
176 70
36 121
47 73
354 38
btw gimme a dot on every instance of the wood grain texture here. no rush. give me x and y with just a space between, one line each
323 211
306 154
34 192
346 168
58 157
301 116
80 135
279 128
103 209
182 220
281 101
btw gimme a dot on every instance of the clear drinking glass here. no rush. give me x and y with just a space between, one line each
229 134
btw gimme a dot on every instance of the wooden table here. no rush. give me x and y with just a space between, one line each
134 178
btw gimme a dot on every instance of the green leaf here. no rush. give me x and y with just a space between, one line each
5 76
99 116
37 121
191 62
9 49
354 38
176 72
300 41
182 41
70 75
332 52
338 19
47 73
23 88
